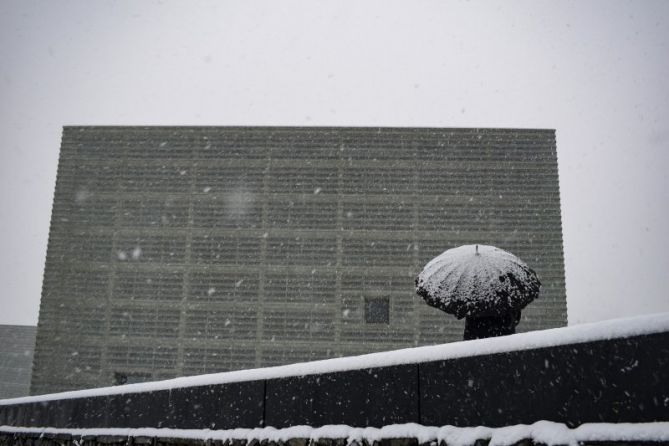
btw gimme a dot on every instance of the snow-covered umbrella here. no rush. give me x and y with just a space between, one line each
485 284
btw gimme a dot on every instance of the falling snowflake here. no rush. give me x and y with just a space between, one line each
137 252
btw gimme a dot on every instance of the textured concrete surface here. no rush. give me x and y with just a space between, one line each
187 250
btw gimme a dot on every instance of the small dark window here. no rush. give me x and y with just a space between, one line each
121 378
377 311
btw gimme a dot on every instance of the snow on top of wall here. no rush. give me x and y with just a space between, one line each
612 329
540 432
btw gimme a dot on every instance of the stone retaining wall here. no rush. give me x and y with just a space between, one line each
609 381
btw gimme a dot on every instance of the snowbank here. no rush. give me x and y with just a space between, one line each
612 329
540 432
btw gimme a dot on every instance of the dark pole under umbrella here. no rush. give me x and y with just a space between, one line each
483 284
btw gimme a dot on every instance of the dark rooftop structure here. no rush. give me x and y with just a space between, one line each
17 344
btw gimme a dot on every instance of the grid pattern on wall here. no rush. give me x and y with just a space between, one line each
16 357
186 250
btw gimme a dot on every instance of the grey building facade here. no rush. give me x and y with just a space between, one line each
17 345
186 250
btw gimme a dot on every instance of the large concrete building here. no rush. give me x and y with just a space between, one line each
17 344
185 250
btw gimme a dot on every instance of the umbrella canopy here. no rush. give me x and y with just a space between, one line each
477 281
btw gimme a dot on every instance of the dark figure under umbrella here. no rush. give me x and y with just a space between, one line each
484 284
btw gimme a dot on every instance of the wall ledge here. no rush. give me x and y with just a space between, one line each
539 433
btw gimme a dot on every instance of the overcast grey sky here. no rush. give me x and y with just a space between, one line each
596 71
